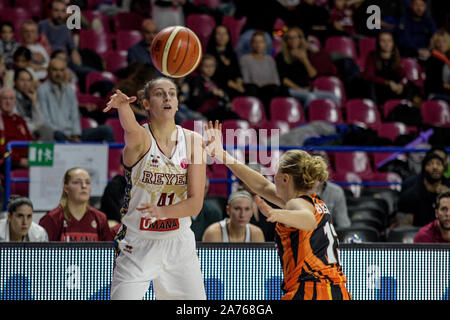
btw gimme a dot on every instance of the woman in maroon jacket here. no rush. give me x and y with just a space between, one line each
74 219
384 71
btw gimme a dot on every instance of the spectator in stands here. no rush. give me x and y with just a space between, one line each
228 73
341 18
437 67
296 70
19 226
74 219
7 43
13 128
168 13
384 71
237 227
437 231
205 96
260 73
311 18
415 204
60 108
140 52
3 71
209 214
21 60
56 31
39 55
262 20
27 106
415 30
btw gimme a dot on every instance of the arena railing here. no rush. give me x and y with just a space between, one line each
230 180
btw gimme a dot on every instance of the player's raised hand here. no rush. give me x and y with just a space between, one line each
213 145
265 209
118 100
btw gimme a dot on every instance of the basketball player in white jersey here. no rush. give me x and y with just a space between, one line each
165 186
236 228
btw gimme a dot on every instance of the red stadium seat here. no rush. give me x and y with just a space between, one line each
208 3
435 113
203 26
99 76
127 38
234 26
391 130
324 110
357 162
194 125
349 177
331 84
95 16
5 4
97 41
115 60
388 177
87 122
35 8
117 128
365 45
287 109
250 109
392 103
217 171
114 162
86 99
270 125
363 111
127 21
343 45
231 135
20 188
413 71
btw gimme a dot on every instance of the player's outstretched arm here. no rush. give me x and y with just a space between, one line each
253 179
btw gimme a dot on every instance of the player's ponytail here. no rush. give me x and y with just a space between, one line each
306 170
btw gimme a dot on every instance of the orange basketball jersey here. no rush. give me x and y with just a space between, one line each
310 259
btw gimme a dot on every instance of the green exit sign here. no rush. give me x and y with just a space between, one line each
41 154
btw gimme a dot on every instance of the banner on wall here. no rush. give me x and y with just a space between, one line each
49 162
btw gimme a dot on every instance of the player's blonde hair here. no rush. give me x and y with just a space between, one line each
63 202
306 170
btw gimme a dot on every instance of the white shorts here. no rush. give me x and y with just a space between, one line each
172 264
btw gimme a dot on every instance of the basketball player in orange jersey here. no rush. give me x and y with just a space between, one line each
306 241
165 186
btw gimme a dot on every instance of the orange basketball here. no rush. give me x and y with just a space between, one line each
176 51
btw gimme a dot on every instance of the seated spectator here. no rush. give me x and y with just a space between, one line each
74 219
260 73
384 71
415 204
19 226
437 66
209 214
205 96
27 106
21 60
262 20
228 73
237 227
59 105
13 128
296 70
140 52
7 43
311 18
39 55
414 31
341 18
437 231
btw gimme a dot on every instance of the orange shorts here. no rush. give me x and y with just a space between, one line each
318 291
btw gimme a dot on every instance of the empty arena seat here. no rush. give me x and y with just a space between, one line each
127 21
234 26
343 45
127 38
115 60
280 125
331 84
390 104
203 26
436 113
114 165
85 99
250 109
363 111
117 128
391 130
413 71
194 125
35 8
208 3
287 109
365 46
357 234
93 77
352 181
324 110
98 20
404 234
357 162
21 188
87 122
97 41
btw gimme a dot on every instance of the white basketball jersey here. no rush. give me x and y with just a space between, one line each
160 180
